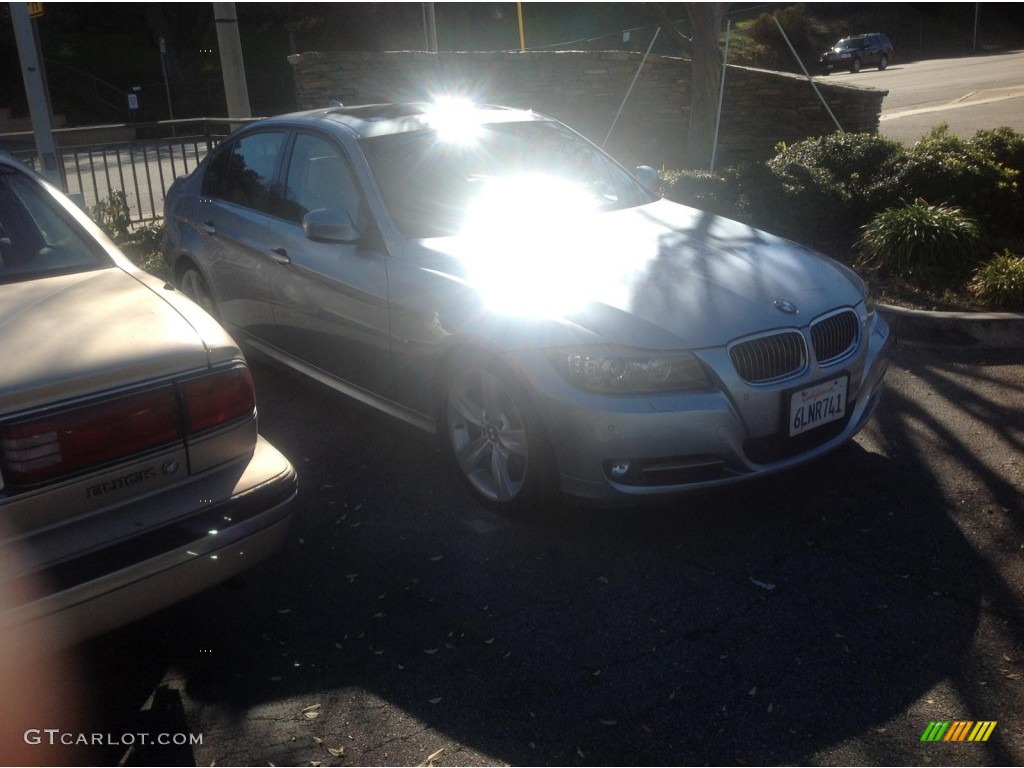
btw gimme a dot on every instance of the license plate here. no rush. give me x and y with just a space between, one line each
817 404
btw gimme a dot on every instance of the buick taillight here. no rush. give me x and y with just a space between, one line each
218 399
39 449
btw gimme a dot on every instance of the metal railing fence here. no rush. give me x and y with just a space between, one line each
141 160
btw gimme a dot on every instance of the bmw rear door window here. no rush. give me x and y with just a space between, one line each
244 172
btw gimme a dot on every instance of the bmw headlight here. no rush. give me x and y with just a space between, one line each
869 306
619 370
869 311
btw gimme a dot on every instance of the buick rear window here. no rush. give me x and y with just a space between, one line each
37 239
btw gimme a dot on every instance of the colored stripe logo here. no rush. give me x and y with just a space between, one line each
959 730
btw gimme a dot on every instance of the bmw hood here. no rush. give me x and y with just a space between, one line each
660 275
72 335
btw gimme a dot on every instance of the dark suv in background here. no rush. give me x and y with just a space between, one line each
851 53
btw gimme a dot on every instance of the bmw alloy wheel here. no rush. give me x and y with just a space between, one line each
488 430
194 286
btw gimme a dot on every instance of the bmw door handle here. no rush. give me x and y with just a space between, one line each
208 227
280 255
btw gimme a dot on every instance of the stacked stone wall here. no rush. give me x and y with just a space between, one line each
585 89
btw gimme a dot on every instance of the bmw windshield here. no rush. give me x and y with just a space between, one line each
432 182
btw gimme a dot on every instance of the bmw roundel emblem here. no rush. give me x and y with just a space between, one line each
786 306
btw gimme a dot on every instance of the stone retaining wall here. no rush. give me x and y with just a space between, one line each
585 90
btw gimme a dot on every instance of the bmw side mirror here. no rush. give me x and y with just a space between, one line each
649 178
330 225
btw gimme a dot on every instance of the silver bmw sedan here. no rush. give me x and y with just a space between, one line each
490 275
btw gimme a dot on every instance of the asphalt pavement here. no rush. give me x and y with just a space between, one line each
823 616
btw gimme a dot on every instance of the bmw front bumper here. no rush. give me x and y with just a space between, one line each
615 448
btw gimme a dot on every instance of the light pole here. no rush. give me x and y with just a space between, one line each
167 83
35 91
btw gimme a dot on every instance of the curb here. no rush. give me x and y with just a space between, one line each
983 330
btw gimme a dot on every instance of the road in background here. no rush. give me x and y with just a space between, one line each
969 94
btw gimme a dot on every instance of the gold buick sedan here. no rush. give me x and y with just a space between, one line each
131 471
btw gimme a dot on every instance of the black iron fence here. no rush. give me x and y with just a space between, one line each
141 160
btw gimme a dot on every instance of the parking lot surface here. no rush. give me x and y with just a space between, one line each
822 616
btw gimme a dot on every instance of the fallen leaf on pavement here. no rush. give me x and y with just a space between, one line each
431 758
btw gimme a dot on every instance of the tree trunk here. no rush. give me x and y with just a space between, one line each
705 81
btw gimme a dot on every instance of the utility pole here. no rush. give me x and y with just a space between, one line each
974 43
167 82
430 27
231 63
35 91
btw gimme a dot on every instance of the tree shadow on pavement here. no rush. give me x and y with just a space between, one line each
798 619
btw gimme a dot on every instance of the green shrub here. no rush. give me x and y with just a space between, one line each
920 242
113 215
767 47
144 246
820 191
700 189
1004 145
964 173
999 282
861 162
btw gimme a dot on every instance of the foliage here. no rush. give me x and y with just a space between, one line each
142 243
920 241
821 190
144 246
767 47
113 215
700 189
845 193
964 172
999 282
1003 145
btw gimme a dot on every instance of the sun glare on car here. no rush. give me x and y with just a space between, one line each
456 120
532 266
